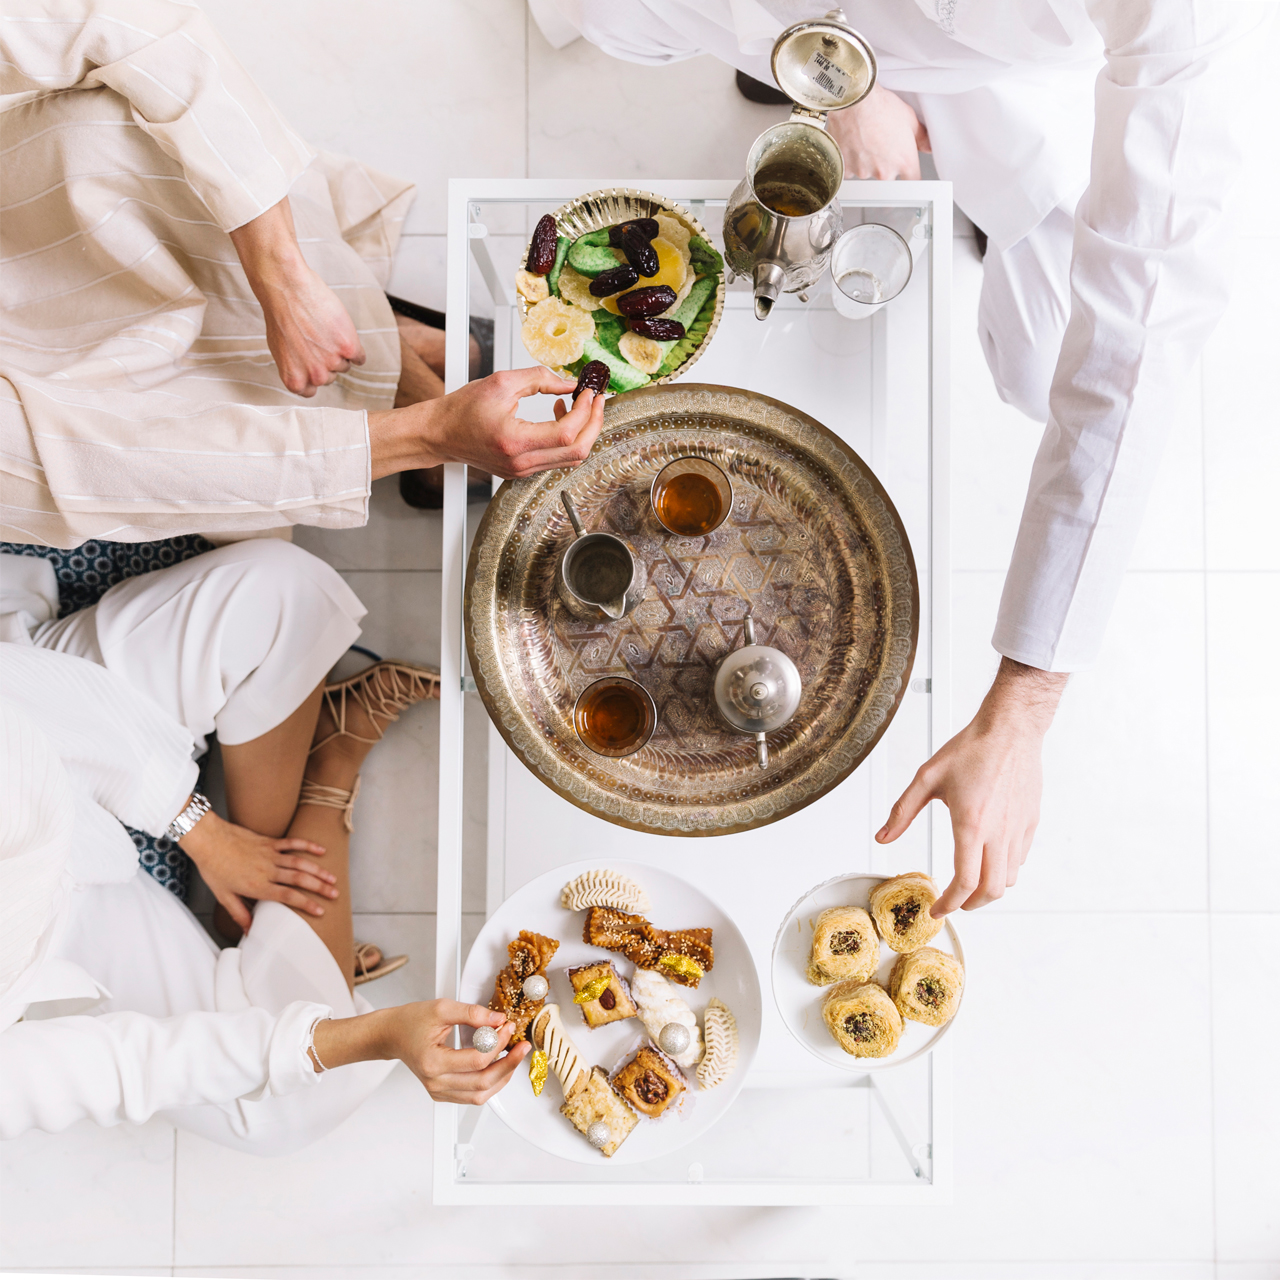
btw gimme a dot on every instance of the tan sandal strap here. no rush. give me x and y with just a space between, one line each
363 951
382 692
323 797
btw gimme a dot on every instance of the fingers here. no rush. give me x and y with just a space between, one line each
908 805
460 1060
578 429
292 843
992 881
519 383
455 1014
293 898
477 1087
559 409
968 873
317 882
236 909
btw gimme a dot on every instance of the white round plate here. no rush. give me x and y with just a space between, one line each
800 1002
676 905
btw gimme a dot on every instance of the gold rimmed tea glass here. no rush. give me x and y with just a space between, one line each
691 497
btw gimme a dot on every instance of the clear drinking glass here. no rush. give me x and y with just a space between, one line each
870 265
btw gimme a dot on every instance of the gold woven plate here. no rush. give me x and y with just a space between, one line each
612 205
813 548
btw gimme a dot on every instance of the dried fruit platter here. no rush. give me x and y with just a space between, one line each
812 547
622 277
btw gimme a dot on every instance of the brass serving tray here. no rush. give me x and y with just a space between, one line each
813 548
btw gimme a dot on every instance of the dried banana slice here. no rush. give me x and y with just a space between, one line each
574 288
641 353
603 888
721 1030
531 287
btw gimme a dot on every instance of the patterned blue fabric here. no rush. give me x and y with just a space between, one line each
84 575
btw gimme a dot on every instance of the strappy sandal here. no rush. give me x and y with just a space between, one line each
364 951
382 692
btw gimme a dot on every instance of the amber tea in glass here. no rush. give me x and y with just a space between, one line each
691 497
614 716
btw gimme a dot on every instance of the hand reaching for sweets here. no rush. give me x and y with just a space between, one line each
418 1035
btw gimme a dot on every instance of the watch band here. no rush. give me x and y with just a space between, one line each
188 818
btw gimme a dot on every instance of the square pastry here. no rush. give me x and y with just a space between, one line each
601 994
593 1100
651 1082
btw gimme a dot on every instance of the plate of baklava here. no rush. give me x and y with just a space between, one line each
640 999
863 976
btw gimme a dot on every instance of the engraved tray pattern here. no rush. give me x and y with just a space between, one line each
813 548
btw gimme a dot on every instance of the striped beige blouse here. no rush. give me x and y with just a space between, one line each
138 399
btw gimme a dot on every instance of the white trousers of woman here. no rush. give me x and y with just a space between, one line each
232 641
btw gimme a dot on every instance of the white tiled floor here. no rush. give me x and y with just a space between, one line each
1117 1109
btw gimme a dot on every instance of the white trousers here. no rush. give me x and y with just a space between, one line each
231 641
1023 310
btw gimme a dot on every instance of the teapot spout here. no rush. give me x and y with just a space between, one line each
769 279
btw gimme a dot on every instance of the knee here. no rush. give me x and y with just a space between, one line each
1021 370
271 569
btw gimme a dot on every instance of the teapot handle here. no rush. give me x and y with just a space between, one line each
748 630
573 514
762 751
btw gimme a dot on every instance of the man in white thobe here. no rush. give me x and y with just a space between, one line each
1094 142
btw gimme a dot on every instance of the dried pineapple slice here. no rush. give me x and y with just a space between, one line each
673 230
554 332
531 287
573 288
641 353
672 271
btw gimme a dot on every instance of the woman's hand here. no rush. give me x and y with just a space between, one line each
309 333
237 863
880 137
419 1035
989 776
478 425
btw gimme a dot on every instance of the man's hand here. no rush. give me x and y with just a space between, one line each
309 332
879 137
237 863
989 776
419 1035
478 425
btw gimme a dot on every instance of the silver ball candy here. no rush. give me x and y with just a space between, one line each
673 1038
484 1039
598 1134
535 987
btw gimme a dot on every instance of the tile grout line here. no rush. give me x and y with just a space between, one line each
173 1209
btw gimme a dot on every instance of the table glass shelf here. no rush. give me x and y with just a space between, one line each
800 1132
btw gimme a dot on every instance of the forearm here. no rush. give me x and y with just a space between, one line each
267 247
368 1037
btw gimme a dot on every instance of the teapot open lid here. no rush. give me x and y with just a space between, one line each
824 64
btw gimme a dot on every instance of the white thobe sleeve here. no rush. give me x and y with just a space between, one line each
127 1067
1149 281
184 86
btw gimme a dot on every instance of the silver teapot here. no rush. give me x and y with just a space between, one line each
784 216
757 689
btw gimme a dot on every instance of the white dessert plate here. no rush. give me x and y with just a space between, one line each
676 904
800 1002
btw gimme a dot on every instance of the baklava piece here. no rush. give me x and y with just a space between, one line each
926 986
862 1019
594 1100
844 946
900 908
601 994
529 954
650 1082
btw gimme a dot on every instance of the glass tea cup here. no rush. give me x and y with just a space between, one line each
614 716
870 265
691 497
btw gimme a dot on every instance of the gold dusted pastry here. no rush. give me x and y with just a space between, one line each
900 908
926 986
601 994
603 889
650 1082
862 1018
595 1101
683 955
547 1033
844 946
529 954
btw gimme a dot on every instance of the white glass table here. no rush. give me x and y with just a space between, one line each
800 1132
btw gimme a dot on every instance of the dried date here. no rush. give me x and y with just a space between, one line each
640 253
652 301
647 227
594 377
542 248
658 329
621 277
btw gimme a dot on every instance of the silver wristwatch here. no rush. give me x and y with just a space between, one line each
188 818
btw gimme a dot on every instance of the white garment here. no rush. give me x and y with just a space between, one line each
138 398
217 1042
1006 90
